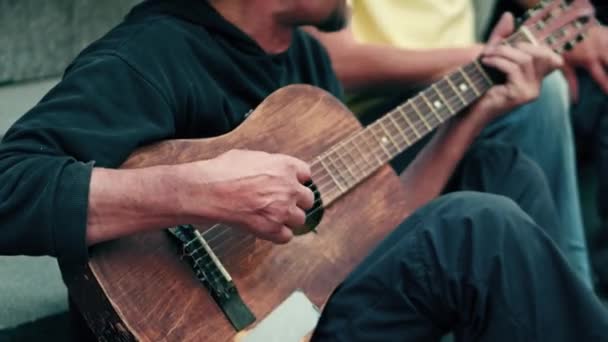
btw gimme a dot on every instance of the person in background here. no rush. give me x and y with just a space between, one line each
392 45
587 67
586 70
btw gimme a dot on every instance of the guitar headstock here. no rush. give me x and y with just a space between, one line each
559 24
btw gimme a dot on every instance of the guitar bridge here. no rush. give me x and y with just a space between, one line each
212 274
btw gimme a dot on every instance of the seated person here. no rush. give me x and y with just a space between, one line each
586 70
393 45
471 262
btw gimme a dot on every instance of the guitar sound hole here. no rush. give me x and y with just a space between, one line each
314 214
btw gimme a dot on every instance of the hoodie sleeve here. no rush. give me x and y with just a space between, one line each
97 115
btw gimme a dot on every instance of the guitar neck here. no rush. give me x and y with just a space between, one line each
354 159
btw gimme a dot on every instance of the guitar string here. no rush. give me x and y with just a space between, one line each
378 149
518 35
251 237
215 273
230 238
219 248
375 149
436 96
214 239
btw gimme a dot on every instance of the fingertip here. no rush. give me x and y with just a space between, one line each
284 236
487 60
504 28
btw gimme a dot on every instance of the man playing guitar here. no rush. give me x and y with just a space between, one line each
470 262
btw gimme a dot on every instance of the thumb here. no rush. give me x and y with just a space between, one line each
504 28
570 75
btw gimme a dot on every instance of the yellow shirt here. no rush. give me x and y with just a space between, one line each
414 23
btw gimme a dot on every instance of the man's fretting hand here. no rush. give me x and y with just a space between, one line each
591 55
525 67
260 192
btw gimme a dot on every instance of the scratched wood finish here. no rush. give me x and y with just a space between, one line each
148 293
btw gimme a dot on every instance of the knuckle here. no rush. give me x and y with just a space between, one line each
274 227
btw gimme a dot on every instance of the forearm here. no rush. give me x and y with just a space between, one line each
365 66
362 66
428 174
124 202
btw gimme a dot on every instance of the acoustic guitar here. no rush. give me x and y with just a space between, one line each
215 283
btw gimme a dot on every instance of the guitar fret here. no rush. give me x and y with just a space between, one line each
468 81
456 91
364 155
441 108
431 106
388 135
467 92
406 129
360 159
483 73
442 97
324 187
382 141
399 129
410 123
346 165
341 186
357 159
367 136
343 171
417 111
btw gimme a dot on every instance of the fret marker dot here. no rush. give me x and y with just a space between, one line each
463 87
437 104
384 140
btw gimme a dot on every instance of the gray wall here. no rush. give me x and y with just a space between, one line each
39 37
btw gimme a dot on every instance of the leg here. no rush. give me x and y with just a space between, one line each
487 166
469 262
542 130
590 121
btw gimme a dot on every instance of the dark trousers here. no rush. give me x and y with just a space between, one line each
471 263
590 121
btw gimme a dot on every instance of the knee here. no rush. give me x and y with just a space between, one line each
489 161
472 216
470 202
553 103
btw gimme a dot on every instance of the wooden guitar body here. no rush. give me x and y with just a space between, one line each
138 288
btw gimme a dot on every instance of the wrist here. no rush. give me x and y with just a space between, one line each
475 120
197 197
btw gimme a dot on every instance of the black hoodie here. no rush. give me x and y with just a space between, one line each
172 69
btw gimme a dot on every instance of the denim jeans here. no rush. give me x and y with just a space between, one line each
543 131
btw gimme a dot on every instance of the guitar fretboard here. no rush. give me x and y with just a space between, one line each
352 160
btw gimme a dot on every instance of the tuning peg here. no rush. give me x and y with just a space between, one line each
570 45
527 15
581 37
